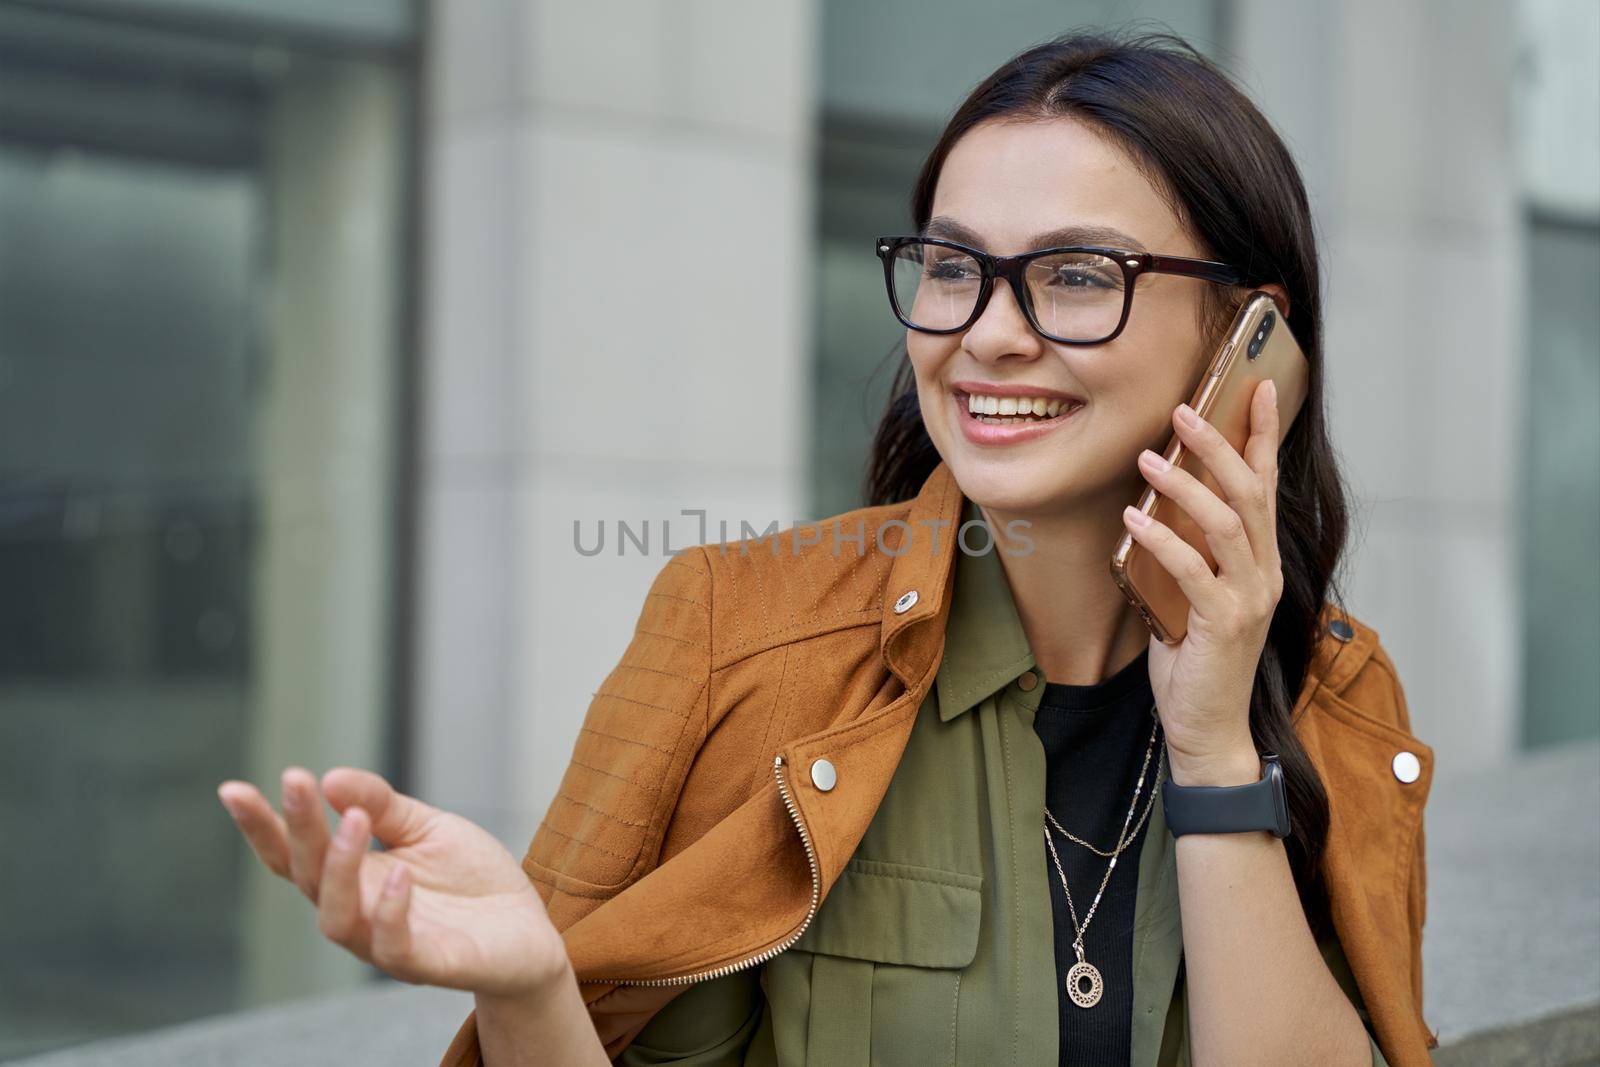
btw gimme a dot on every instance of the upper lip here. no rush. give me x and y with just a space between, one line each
1006 389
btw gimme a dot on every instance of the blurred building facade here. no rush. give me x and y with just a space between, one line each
329 334
204 355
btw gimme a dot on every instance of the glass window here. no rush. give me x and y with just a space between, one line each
201 359
1557 112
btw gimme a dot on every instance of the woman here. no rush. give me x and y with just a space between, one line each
857 793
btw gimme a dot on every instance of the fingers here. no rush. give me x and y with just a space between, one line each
396 818
339 894
1179 557
1261 449
1223 529
308 830
262 828
1247 492
391 925
330 876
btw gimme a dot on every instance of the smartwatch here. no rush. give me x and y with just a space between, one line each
1227 809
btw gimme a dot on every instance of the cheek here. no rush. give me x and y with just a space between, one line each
927 354
1136 391
927 361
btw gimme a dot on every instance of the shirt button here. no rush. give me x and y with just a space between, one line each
1028 682
1341 629
1406 766
907 599
823 776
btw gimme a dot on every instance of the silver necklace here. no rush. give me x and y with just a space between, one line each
1083 970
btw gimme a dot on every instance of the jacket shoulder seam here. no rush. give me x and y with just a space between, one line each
785 557
793 635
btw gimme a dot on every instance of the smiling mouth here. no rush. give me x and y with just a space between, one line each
1016 411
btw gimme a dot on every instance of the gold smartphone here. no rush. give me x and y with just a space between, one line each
1259 346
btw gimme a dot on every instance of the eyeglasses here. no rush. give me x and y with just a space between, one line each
1074 295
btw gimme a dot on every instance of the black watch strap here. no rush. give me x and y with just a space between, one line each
1218 809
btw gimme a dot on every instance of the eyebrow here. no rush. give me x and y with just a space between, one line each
950 229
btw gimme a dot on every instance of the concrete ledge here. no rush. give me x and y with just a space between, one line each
386 1025
1511 945
1565 1039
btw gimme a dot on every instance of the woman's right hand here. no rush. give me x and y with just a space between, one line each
444 904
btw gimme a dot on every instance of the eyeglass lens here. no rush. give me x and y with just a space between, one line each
1075 295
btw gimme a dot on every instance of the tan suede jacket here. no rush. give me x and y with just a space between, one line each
689 839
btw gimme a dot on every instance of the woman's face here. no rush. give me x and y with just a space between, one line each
1005 185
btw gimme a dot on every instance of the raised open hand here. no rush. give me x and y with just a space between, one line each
443 904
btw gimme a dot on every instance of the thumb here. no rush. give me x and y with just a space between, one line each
396 818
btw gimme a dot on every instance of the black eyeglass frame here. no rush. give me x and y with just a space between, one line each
1010 268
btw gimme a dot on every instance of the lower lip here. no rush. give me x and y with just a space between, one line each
988 433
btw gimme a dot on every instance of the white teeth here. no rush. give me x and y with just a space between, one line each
1030 406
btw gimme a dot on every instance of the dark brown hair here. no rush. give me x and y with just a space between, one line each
1232 182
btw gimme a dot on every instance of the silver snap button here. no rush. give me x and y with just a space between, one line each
1341 629
1407 767
1028 681
907 599
823 776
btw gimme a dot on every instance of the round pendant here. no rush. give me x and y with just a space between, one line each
1084 998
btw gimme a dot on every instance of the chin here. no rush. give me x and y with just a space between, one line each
1012 485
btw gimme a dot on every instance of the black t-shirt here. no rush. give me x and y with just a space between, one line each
1095 737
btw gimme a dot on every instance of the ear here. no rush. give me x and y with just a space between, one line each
1279 295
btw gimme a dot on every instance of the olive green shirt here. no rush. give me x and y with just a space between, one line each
936 945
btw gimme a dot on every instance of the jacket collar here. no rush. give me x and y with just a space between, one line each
923 544
985 645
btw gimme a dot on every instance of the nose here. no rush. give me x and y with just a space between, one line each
1002 328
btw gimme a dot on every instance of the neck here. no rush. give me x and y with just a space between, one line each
1081 628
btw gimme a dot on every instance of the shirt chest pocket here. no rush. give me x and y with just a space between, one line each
876 977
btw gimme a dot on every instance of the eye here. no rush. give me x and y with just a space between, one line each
951 270
1080 277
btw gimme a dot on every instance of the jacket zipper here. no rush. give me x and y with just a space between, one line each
816 894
